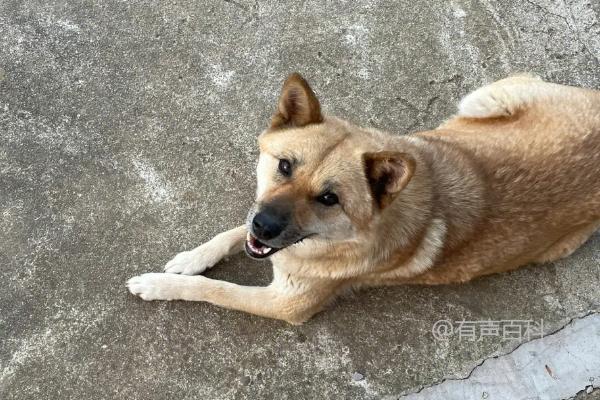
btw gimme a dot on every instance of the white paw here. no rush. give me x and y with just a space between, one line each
195 261
153 286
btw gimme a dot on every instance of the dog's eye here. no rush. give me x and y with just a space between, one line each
328 199
285 167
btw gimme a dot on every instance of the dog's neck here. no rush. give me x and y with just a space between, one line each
449 182
435 214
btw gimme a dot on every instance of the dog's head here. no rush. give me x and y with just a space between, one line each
319 180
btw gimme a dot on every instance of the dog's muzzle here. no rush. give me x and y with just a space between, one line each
266 225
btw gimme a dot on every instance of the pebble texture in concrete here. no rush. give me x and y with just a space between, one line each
127 134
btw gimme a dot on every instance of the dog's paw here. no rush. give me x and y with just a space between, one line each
153 286
195 261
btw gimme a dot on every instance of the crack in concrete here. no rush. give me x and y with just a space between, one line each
421 112
481 362
583 393
545 10
577 33
569 21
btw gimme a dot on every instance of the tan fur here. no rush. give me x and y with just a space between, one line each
513 179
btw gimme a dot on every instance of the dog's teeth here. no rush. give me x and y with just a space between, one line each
265 250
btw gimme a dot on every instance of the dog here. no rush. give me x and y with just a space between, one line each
512 179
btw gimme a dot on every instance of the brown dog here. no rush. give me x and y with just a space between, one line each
513 179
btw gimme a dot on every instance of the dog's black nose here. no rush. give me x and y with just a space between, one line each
268 224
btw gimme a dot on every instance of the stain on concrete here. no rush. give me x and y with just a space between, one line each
156 189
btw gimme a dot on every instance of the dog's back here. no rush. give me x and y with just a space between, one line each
537 148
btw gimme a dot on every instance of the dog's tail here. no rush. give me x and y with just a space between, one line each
502 98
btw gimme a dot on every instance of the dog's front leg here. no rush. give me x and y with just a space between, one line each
294 302
205 256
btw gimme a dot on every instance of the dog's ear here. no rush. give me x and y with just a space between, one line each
388 172
298 106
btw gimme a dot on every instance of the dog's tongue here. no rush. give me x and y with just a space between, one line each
256 246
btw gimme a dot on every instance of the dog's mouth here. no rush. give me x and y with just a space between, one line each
257 249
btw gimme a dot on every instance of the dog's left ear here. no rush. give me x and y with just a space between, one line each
298 106
388 172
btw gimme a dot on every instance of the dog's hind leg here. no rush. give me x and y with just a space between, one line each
502 98
294 302
207 255
568 244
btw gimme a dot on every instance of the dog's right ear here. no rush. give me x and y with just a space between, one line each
388 172
298 106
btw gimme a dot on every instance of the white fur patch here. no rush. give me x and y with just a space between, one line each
427 253
502 98
264 169
484 103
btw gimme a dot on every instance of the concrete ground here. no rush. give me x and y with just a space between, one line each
127 134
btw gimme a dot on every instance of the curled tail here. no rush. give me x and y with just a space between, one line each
502 98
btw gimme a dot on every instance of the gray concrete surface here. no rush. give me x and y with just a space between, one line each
127 134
